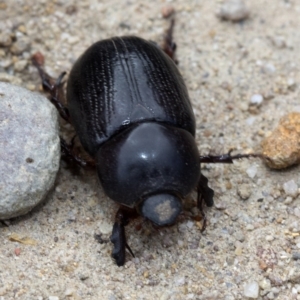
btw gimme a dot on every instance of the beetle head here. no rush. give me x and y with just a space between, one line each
161 209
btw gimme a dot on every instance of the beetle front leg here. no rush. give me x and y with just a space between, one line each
67 151
118 237
205 194
55 88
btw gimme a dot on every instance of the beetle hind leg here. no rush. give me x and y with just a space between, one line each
118 237
205 195
54 87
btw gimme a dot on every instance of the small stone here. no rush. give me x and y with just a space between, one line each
5 39
288 200
83 277
251 290
244 191
282 148
294 276
53 298
249 227
278 41
22 28
69 292
265 284
297 212
250 121
21 45
20 65
239 235
180 281
4 77
290 188
167 11
251 171
268 68
105 228
291 84
30 149
17 251
233 10
296 256
238 250
256 99
269 238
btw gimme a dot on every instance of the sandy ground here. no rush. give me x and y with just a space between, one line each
246 241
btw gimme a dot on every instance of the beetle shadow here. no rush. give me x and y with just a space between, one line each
147 240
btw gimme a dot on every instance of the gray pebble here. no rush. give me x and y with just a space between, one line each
296 255
9 78
291 188
239 235
20 65
278 41
20 46
233 10
5 39
30 149
244 191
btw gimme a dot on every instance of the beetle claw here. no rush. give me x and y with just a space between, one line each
205 194
129 249
118 237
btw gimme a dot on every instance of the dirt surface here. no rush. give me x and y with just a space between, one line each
253 232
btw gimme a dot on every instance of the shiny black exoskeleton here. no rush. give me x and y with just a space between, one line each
131 111
130 108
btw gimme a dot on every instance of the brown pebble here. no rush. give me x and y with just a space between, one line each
167 11
17 251
282 147
38 57
263 266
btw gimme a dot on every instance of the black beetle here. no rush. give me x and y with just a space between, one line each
131 111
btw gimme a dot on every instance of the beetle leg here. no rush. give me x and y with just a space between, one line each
205 194
169 46
55 88
118 237
226 158
67 151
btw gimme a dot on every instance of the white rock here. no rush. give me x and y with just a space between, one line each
251 290
250 121
180 281
265 284
290 188
105 228
278 41
269 68
233 10
251 171
256 99
30 149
